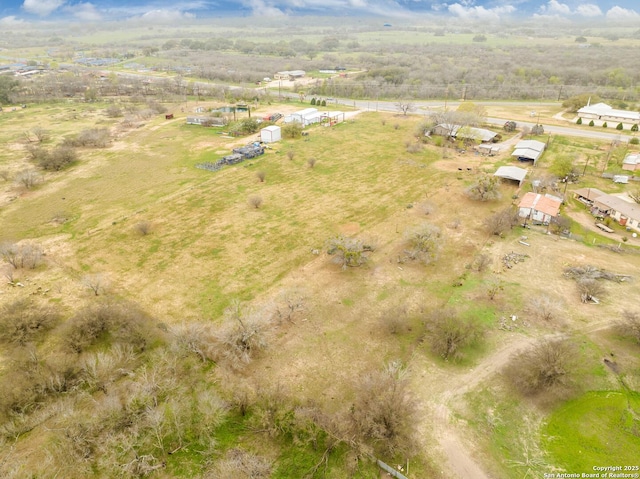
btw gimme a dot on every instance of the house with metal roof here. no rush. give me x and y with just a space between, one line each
529 150
631 162
605 113
539 208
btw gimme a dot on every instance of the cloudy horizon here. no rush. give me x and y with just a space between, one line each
17 12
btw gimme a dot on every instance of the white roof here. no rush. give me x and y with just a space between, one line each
527 153
601 109
511 173
271 128
531 145
295 73
631 159
470 132
305 112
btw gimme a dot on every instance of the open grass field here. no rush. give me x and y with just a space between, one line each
207 246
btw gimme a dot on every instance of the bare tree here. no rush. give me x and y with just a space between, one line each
26 255
482 262
501 221
405 107
550 365
5 175
290 303
40 133
245 333
383 413
255 201
394 319
291 154
28 178
261 175
545 308
97 283
494 286
634 195
311 162
448 333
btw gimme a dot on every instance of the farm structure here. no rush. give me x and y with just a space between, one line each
310 116
539 209
271 134
529 150
588 195
239 154
290 75
512 173
465 133
602 112
631 162
206 121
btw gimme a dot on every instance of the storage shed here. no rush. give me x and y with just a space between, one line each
271 134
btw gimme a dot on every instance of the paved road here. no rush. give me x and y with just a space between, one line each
424 108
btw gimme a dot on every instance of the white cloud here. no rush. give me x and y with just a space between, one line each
479 12
165 16
555 7
11 21
42 7
261 8
589 10
618 13
84 11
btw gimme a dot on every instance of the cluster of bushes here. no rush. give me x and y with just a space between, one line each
90 138
318 102
53 160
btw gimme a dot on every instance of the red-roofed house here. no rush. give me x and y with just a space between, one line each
539 208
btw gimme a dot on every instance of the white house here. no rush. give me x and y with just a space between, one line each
306 117
602 112
271 134
624 212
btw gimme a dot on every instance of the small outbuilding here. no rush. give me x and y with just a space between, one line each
631 162
271 134
511 173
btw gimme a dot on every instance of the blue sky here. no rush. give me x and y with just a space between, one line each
16 12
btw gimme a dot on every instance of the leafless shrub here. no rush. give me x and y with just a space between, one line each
348 252
244 334
394 320
593 272
448 333
414 147
311 162
501 221
482 262
40 133
114 111
549 366
383 413
5 175
255 201
291 154
630 325
120 322
28 178
261 175
545 308
240 464
156 107
23 321
98 283
196 338
143 228
90 138
427 208
27 255
57 159
423 243
396 126
290 303
590 289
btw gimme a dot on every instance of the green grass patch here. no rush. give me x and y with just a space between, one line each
593 429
